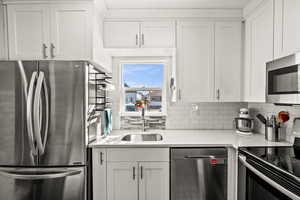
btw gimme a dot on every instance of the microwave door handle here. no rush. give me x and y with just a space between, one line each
289 194
29 114
37 174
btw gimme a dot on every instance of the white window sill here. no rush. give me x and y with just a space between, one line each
138 114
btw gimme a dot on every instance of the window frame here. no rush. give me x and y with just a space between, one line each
165 64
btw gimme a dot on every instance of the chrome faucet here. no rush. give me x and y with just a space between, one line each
143 120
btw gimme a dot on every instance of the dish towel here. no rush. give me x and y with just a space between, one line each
107 121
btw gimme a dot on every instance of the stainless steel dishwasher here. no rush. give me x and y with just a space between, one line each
198 174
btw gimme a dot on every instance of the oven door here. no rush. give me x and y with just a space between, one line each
283 85
257 182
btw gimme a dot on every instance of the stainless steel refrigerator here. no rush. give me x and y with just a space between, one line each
42 130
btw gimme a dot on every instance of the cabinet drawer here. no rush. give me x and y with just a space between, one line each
137 154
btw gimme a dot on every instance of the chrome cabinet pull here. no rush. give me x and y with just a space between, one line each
136 40
133 173
52 47
179 94
45 51
141 172
143 39
101 158
218 94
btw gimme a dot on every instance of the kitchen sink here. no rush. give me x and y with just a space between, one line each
142 137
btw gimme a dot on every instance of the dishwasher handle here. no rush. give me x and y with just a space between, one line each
202 157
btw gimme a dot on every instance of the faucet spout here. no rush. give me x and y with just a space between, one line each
143 120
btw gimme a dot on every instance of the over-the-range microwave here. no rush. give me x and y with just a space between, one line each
283 80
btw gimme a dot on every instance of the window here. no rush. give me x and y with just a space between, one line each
143 82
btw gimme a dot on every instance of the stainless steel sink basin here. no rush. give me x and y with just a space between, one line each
142 137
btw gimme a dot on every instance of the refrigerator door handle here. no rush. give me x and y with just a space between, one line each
37 174
29 114
47 105
38 113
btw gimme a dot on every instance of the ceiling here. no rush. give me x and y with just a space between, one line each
174 4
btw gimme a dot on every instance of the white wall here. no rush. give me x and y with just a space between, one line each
3 52
99 54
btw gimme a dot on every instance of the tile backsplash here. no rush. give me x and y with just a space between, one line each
269 109
202 115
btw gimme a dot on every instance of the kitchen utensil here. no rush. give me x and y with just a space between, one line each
283 116
272 133
261 118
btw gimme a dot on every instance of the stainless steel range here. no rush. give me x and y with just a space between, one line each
42 130
269 173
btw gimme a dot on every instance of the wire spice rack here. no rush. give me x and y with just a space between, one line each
101 81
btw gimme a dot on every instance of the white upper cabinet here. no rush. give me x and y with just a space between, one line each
228 64
195 43
121 34
71 32
49 31
209 61
158 34
139 34
258 51
28 30
287 29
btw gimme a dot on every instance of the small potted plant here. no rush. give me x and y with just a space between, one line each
141 105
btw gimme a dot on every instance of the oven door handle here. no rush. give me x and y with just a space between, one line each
267 179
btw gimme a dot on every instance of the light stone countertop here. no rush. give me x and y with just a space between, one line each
188 138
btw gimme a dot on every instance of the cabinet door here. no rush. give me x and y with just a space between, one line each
121 34
196 61
228 61
122 181
71 32
158 34
99 174
287 29
28 30
259 50
154 181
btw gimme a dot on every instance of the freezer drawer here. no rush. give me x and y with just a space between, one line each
199 174
42 183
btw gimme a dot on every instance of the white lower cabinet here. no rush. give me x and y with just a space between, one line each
154 181
131 174
99 173
122 181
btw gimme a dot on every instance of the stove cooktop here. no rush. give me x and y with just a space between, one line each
285 158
